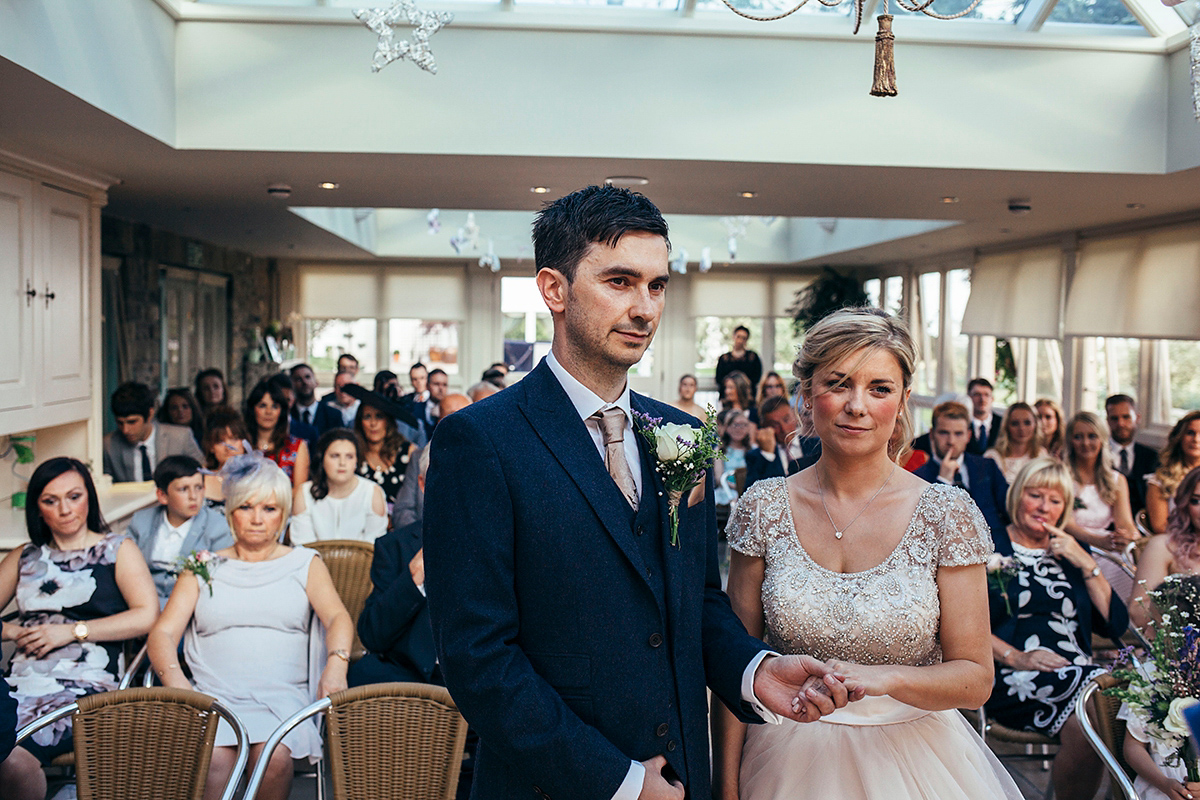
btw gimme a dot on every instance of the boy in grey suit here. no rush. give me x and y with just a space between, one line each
180 524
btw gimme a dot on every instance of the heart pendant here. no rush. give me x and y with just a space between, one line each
838 534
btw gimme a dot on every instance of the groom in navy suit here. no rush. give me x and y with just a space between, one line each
575 638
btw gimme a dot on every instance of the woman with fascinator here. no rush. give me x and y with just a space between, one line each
249 616
386 452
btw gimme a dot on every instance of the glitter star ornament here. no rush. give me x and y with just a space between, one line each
424 24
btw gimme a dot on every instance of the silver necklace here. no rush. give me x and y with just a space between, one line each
821 491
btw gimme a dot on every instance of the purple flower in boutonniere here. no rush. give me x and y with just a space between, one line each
682 455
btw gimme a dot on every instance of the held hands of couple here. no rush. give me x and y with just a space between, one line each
801 688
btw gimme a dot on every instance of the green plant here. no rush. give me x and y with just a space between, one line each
830 292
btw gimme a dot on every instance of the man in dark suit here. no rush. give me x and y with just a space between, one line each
1134 459
575 637
773 458
306 408
950 463
135 448
985 423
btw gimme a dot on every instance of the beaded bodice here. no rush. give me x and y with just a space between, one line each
888 614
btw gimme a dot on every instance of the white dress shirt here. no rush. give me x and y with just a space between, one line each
310 409
587 403
169 542
349 412
150 453
962 472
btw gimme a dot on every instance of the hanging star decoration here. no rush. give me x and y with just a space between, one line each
424 23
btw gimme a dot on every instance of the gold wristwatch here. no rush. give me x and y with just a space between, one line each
80 630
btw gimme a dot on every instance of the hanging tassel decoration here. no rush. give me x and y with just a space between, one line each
885 60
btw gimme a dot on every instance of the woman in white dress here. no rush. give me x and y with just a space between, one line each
337 503
860 562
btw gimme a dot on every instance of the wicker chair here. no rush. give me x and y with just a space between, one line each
383 740
1105 732
146 744
349 563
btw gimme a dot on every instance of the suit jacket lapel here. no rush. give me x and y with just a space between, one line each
194 533
554 419
152 537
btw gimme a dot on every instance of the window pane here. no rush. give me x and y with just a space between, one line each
958 290
432 342
1049 369
872 287
764 8
1117 368
787 345
989 10
1184 368
663 5
714 336
330 338
893 289
528 326
928 344
1096 12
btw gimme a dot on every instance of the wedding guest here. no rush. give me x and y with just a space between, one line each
1157 778
1179 456
480 390
1101 517
735 443
225 436
211 391
1058 587
985 423
386 383
779 450
740 359
737 394
439 385
386 452
266 418
258 664
179 525
179 407
418 378
80 592
337 503
495 376
1050 415
1177 552
1019 440
772 386
306 407
343 403
1133 459
686 402
409 506
139 443
299 428
8 720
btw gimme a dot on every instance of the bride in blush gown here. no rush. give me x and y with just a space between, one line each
859 562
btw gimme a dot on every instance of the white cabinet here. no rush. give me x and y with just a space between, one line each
45 281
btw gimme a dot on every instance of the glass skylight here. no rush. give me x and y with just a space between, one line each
658 5
768 7
1094 12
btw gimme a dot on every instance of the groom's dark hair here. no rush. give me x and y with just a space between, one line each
567 227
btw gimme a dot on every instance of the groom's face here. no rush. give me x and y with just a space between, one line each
612 308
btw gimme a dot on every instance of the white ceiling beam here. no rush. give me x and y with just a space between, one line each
1156 18
1034 15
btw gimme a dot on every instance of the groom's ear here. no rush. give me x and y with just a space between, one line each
553 285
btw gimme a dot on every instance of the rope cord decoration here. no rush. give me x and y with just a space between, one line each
885 64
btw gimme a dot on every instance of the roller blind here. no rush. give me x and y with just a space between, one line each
424 296
785 294
1144 286
1016 294
381 294
716 297
341 294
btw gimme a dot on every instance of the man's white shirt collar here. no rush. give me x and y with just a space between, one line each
586 401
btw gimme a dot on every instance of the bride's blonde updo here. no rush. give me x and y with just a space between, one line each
832 340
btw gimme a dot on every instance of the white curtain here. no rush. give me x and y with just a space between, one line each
1016 295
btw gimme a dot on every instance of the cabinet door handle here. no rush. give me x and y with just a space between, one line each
49 295
30 293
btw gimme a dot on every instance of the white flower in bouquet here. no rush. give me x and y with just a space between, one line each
1174 722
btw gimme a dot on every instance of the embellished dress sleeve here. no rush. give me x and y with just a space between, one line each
747 528
964 537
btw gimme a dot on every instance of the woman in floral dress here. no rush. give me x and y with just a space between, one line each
81 591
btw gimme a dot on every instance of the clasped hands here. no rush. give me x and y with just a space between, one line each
802 688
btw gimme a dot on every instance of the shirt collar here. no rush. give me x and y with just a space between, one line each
182 530
311 407
1116 448
586 401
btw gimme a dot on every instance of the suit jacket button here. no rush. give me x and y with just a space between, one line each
670 744
655 639
662 729
640 530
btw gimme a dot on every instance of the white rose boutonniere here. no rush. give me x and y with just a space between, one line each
683 454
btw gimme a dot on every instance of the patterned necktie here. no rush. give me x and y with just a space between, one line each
147 470
612 426
1124 462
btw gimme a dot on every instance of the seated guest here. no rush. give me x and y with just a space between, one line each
179 407
1019 440
780 450
211 391
1132 459
337 503
386 452
772 386
952 464
738 395
1054 438
8 720
387 384
306 407
409 506
343 403
347 364
137 445
1177 552
481 390
686 402
225 436
418 378
304 430
1179 456
736 441
394 624
81 591
439 385
1059 587
266 418
248 617
181 523
495 376
1101 517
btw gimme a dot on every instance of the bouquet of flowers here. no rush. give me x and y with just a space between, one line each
200 563
682 453
1168 681
1001 570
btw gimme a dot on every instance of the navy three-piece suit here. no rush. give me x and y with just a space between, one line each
573 636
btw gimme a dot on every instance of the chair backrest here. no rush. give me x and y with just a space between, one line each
144 743
349 564
1142 521
394 740
1104 732
1139 545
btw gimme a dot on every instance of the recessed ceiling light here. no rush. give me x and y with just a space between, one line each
948 199
626 180
748 194
327 185
539 189
1135 206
